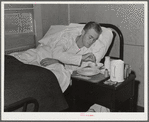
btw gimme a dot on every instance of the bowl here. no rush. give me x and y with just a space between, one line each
95 65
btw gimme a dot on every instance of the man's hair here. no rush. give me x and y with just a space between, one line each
93 25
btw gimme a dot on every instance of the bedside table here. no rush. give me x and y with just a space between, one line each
93 89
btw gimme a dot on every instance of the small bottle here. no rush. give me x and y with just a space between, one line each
126 70
107 63
106 73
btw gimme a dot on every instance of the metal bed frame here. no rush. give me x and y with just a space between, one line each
22 103
121 39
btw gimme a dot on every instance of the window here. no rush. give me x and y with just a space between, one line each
19 27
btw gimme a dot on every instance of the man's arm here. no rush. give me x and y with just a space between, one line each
66 57
85 58
71 58
61 54
48 61
100 54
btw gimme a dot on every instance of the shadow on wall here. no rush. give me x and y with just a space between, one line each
136 91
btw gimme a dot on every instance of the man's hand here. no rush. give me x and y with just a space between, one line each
89 57
48 61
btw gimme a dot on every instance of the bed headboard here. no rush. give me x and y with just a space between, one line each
116 31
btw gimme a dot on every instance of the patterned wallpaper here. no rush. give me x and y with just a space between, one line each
128 17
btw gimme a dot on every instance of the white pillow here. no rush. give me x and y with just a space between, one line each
105 38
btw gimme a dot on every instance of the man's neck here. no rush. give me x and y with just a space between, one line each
79 41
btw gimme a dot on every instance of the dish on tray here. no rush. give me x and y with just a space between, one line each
88 71
95 65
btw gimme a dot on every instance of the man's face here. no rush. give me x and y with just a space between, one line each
89 37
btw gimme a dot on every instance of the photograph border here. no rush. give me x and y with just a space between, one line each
139 116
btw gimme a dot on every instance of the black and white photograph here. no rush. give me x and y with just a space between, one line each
74 60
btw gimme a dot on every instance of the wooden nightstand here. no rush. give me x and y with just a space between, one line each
111 96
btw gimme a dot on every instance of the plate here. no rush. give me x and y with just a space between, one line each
89 71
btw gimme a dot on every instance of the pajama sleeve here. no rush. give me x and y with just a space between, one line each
60 53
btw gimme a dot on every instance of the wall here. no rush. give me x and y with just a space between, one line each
53 15
129 19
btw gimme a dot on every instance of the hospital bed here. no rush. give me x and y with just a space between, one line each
33 88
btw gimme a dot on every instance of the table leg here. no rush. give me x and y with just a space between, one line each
113 104
74 106
131 104
131 100
74 100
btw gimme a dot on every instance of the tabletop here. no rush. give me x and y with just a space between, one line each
101 80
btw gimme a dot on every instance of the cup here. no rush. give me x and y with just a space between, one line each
117 70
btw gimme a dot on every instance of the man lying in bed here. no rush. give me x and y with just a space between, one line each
64 52
68 52
63 49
